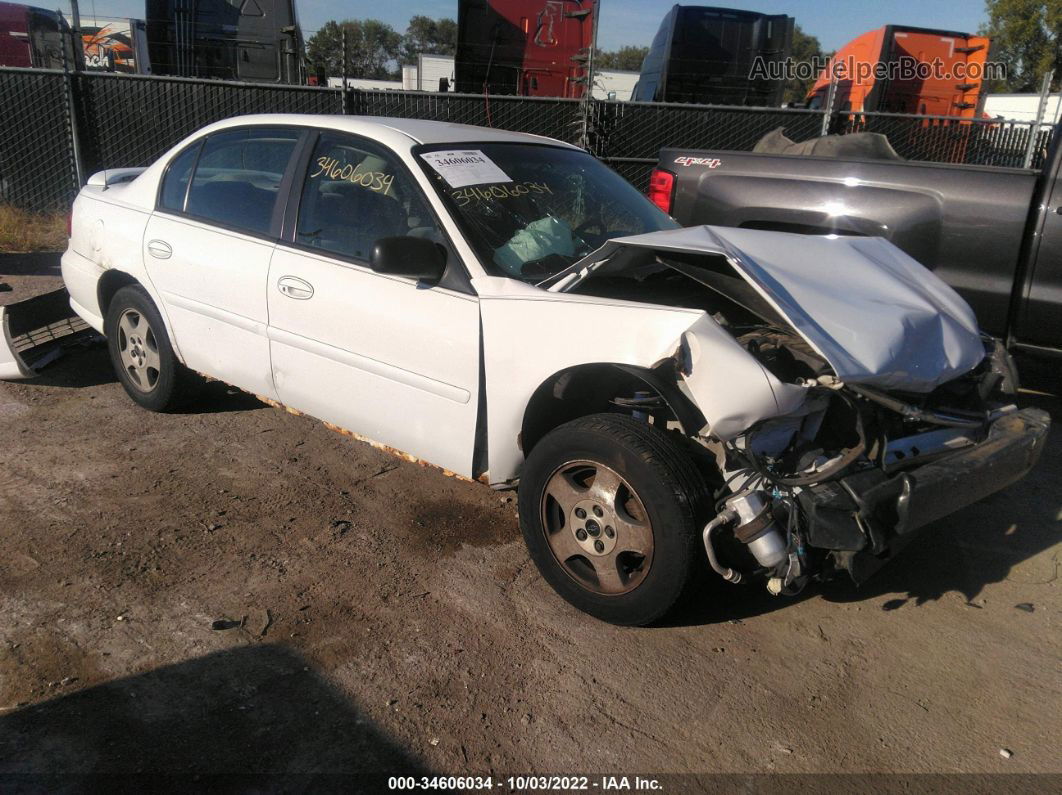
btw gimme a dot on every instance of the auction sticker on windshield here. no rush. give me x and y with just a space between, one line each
467 167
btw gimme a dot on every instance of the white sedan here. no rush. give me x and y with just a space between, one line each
669 401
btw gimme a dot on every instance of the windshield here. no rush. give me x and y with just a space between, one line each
531 211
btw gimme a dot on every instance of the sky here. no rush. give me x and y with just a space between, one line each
635 21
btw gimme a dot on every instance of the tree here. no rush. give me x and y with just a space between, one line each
372 49
805 49
430 36
1027 39
628 58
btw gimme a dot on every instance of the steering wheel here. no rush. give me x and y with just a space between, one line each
591 221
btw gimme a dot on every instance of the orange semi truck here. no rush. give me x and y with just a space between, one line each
900 69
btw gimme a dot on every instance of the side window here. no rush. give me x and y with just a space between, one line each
175 183
237 180
355 194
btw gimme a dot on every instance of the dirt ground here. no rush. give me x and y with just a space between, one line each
236 589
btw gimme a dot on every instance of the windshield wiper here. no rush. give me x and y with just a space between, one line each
576 272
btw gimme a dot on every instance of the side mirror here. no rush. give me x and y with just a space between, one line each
412 257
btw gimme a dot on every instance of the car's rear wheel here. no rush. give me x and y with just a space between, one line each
610 510
141 353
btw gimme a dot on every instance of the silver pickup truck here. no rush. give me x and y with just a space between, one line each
993 234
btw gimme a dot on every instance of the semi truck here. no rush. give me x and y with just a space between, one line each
900 69
528 48
707 55
255 41
35 38
119 45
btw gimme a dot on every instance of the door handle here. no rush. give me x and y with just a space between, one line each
159 249
294 287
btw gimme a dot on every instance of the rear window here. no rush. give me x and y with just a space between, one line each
175 183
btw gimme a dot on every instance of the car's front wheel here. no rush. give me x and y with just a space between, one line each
141 353
610 510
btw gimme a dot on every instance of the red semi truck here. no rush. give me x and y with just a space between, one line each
899 69
530 48
34 38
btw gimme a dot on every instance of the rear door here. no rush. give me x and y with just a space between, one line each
383 356
207 249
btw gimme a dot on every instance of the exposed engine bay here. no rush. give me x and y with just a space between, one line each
839 471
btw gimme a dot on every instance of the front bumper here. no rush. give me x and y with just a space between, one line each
865 518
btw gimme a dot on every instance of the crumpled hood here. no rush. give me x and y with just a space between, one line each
875 314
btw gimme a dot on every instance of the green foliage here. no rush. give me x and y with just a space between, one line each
1027 37
429 36
628 58
372 49
805 48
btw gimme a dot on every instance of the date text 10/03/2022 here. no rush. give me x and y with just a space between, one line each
526 783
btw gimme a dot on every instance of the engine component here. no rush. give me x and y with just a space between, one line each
723 518
839 439
777 586
758 529
915 414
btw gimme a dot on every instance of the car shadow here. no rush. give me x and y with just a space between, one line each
87 364
256 718
953 555
80 365
217 397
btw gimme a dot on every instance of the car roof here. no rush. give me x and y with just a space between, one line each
391 130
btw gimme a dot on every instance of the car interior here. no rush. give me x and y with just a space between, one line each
347 216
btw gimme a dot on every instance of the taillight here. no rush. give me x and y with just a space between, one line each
70 225
662 189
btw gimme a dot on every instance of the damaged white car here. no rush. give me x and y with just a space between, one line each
769 406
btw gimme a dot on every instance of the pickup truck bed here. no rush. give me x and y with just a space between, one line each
994 234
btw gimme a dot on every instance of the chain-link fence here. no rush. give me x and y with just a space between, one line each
987 142
130 121
58 128
556 118
629 135
37 165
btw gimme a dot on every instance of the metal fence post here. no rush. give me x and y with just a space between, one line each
1034 129
827 112
346 102
71 122
588 97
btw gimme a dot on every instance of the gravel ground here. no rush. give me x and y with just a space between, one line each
236 589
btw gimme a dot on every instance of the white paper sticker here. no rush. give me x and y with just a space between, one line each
469 167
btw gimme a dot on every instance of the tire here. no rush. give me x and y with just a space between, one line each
142 355
621 577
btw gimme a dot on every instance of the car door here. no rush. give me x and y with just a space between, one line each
207 248
391 359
